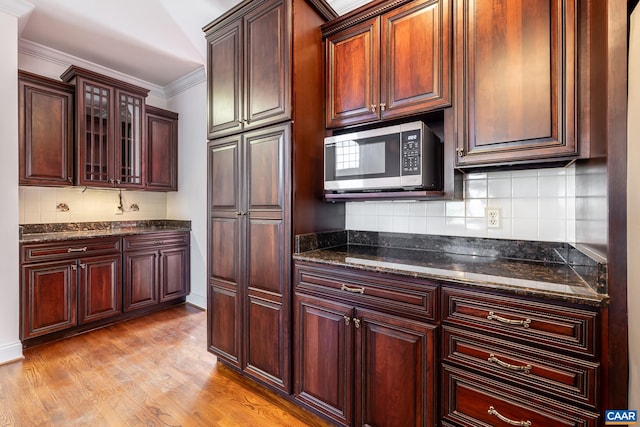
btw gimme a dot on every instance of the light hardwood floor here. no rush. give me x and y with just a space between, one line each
150 371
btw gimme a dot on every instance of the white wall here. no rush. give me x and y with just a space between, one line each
633 207
10 346
535 204
190 202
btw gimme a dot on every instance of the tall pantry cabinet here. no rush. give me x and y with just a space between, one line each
265 96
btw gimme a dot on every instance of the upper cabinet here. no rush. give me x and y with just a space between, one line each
162 149
516 85
391 65
249 69
46 131
109 130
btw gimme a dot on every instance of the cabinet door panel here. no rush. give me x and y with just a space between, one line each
267 59
224 176
224 80
323 361
353 82
395 381
141 288
266 336
100 287
415 46
266 167
174 273
46 132
95 161
267 256
517 81
49 298
162 152
224 315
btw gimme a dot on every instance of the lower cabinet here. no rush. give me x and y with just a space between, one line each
156 269
362 366
69 283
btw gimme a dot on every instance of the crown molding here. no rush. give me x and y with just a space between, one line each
185 82
16 7
45 53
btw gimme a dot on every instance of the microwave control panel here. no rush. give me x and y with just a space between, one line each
411 152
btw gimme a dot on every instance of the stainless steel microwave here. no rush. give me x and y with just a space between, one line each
393 158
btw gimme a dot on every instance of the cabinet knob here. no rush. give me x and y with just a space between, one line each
112 181
383 106
118 181
373 108
356 323
347 319
74 267
460 152
83 266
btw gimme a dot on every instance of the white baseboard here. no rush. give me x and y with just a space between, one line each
11 353
197 300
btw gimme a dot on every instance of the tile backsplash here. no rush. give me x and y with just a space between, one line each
534 204
77 204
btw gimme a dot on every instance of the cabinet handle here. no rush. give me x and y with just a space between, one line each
347 319
356 323
84 249
383 106
373 108
492 411
524 323
112 181
460 152
74 267
524 369
352 290
83 266
241 213
118 181
70 179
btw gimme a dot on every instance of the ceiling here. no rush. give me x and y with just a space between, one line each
157 41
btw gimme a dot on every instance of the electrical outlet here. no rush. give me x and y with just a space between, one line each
494 218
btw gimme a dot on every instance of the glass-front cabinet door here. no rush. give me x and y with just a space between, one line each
95 160
129 146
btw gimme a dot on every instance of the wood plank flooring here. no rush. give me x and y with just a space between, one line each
150 371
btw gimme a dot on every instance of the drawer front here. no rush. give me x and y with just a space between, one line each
151 240
413 298
539 371
471 401
558 327
38 252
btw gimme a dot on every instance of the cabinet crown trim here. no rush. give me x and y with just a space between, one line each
361 14
75 71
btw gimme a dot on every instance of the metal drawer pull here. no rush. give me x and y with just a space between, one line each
525 369
492 411
77 249
353 290
524 323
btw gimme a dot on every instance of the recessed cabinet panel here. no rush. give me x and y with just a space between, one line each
45 131
49 299
225 235
225 80
516 80
265 160
224 176
141 277
162 150
174 273
353 81
224 332
267 84
267 258
101 287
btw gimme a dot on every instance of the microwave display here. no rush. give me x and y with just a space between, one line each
406 156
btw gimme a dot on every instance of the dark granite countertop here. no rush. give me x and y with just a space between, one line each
540 269
42 233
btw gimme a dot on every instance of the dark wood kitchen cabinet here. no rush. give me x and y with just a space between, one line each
383 64
250 243
110 130
45 114
68 283
161 149
265 179
516 81
156 269
249 68
364 366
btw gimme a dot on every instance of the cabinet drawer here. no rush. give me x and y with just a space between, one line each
151 240
66 249
555 375
472 401
412 297
560 328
